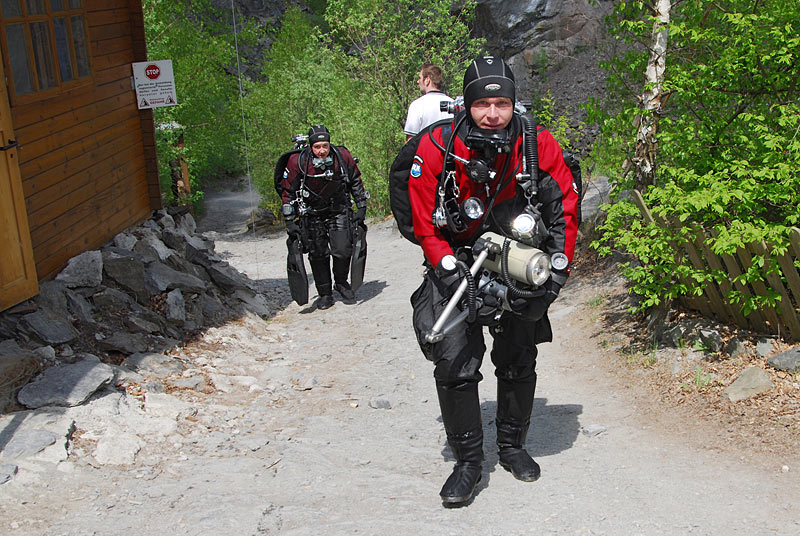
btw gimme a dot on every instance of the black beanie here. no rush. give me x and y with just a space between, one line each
318 133
488 76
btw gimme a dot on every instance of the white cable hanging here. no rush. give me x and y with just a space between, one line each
253 208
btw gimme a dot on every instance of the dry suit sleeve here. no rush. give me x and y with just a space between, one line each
551 160
422 184
356 187
291 179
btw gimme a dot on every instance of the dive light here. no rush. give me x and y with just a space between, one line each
526 264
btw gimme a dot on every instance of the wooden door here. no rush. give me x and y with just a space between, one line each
18 280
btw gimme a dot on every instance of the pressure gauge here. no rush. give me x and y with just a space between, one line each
559 261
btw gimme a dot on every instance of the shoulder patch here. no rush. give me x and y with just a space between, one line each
416 169
418 158
286 173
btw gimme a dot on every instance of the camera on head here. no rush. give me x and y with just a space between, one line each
452 107
300 141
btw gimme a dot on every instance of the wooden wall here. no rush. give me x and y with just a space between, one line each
87 156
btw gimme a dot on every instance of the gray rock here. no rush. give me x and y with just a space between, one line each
751 381
175 240
161 277
255 303
196 383
765 347
128 271
179 263
788 361
213 309
674 335
124 343
116 447
25 442
66 385
84 270
80 308
226 277
735 348
380 402
125 241
187 224
53 298
46 354
150 245
135 323
711 339
175 307
49 328
7 472
152 364
112 299
200 251
166 222
124 375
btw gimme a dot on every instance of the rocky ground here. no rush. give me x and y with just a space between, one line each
326 422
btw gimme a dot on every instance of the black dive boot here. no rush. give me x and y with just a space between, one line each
341 269
513 457
321 268
461 415
514 405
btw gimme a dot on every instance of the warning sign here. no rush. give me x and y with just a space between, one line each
154 83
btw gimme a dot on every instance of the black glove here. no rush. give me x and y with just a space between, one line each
534 309
293 229
358 217
447 272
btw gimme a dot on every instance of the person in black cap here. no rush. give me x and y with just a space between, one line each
486 147
322 178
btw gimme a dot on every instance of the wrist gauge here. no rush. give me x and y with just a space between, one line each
559 261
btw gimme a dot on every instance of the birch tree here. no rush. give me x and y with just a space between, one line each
653 99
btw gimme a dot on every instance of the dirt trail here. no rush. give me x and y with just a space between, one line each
326 422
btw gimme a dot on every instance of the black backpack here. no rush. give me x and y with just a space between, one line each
398 179
574 166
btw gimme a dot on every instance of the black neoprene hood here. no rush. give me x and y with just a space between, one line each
318 133
488 76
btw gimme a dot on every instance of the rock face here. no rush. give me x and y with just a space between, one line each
537 35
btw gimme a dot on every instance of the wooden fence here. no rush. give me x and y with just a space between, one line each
782 320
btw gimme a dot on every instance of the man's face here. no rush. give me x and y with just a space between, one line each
321 149
421 82
492 113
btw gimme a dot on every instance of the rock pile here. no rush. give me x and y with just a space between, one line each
145 292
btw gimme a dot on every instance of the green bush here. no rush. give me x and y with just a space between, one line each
728 148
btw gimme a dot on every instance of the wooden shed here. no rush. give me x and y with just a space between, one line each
78 162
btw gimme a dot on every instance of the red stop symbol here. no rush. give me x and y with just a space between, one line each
152 71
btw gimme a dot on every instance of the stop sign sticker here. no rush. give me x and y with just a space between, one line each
154 82
152 71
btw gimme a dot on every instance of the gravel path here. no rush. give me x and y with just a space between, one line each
326 422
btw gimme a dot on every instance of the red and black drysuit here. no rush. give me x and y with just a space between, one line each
326 227
458 356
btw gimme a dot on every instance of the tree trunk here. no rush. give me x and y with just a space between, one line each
643 162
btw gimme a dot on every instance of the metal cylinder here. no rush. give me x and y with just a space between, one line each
526 264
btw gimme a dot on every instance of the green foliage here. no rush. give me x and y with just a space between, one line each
728 147
356 79
386 41
204 62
